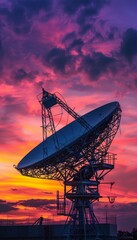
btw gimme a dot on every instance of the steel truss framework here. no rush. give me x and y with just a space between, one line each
90 149
81 166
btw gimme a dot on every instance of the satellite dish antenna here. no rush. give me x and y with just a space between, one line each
78 155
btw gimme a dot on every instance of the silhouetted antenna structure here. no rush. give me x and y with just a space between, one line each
49 100
77 155
39 221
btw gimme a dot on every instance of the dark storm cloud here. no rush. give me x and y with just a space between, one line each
85 28
20 17
34 6
97 65
24 8
112 33
6 207
89 7
17 18
69 37
17 15
20 13
77 44
129 44
72 42
98 36
71 6
59 59
21 74
62 61
1 49
90 11
37 203
22 29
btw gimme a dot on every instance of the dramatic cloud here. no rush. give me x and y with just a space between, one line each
34 6
59 59
77 45
72 7
92 7
38 203
129 43
97 65
6 207
1 49
91 11
19 17
21 75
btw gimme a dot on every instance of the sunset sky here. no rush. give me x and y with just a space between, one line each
87 51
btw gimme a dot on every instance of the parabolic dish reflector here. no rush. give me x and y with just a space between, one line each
69 136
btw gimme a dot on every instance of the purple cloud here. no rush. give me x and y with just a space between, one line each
38 203
6 207
97 65
129 43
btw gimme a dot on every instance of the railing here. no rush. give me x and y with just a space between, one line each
109 158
